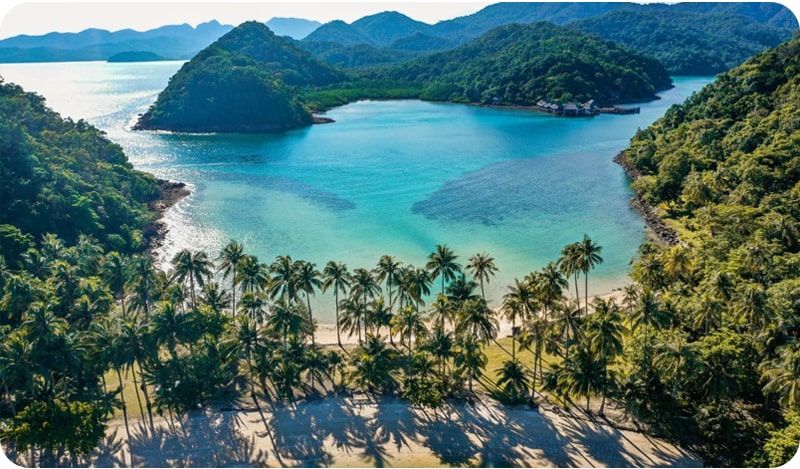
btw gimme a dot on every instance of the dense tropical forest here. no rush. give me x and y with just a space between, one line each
253 81
246 81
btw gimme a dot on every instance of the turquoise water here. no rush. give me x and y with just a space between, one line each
388 177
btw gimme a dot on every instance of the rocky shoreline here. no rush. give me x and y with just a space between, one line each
156 232
658 228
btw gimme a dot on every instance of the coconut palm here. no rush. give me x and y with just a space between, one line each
513 380
783 375
567 323
418 281
308 280
387 270
335 275
469 358
364 287
192 266
115 274
229 259
374 366
139 347
476 319
352 316
254 306
215 297
286 320
512 310
251 275
570 264
550 288
439 343
284 282
482 267
247 344
534 337
589 258
167 327
409 324
604 331
143 282
442 263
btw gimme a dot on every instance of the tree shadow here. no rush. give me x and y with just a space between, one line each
195 440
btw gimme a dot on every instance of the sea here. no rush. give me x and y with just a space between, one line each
385 178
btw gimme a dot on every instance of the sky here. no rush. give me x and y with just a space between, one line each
36 17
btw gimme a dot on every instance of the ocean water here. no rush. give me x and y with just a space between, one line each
388 177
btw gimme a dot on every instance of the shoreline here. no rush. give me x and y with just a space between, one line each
155 233
361 430
662 233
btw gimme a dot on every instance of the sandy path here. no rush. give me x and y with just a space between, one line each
355 431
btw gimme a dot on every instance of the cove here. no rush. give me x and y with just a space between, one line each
388 177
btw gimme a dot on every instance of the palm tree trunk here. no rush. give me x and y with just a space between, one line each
136 388
233 292
310 318
586 292
338 333
124 408
147 402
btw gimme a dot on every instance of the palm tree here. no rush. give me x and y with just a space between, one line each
535 337
167 327
365 287
229 258
482 267
604 330
352 315
194 266
388 269
286 320
308 280
550 288
476 319
374 366
589 257
513 310
335 275
513 380
254 306
247 344
570 264
568 323
115 274
143 281
284 279
439 343
133 338
251 275
783 374
469 358
409 324
418 282
442 263
215 297
582 374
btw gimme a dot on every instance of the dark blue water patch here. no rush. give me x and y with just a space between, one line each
548 189
305 191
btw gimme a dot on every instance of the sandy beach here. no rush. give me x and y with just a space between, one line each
357 431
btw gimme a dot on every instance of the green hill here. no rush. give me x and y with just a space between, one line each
687 43
522 64
723 170
65 178
244 82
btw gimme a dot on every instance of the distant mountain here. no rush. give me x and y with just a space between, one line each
171 42
244 82
688 42
339 32
521 64
296 28
389 26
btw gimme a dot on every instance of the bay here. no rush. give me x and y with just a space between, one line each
388 177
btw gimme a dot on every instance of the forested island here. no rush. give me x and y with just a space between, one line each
253 81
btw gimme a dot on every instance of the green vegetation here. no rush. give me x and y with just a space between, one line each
245 82
65 178
687 43
522 64
253 81
724 165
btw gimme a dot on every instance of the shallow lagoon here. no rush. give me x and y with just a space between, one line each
388 177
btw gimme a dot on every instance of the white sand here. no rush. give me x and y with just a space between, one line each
357 432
